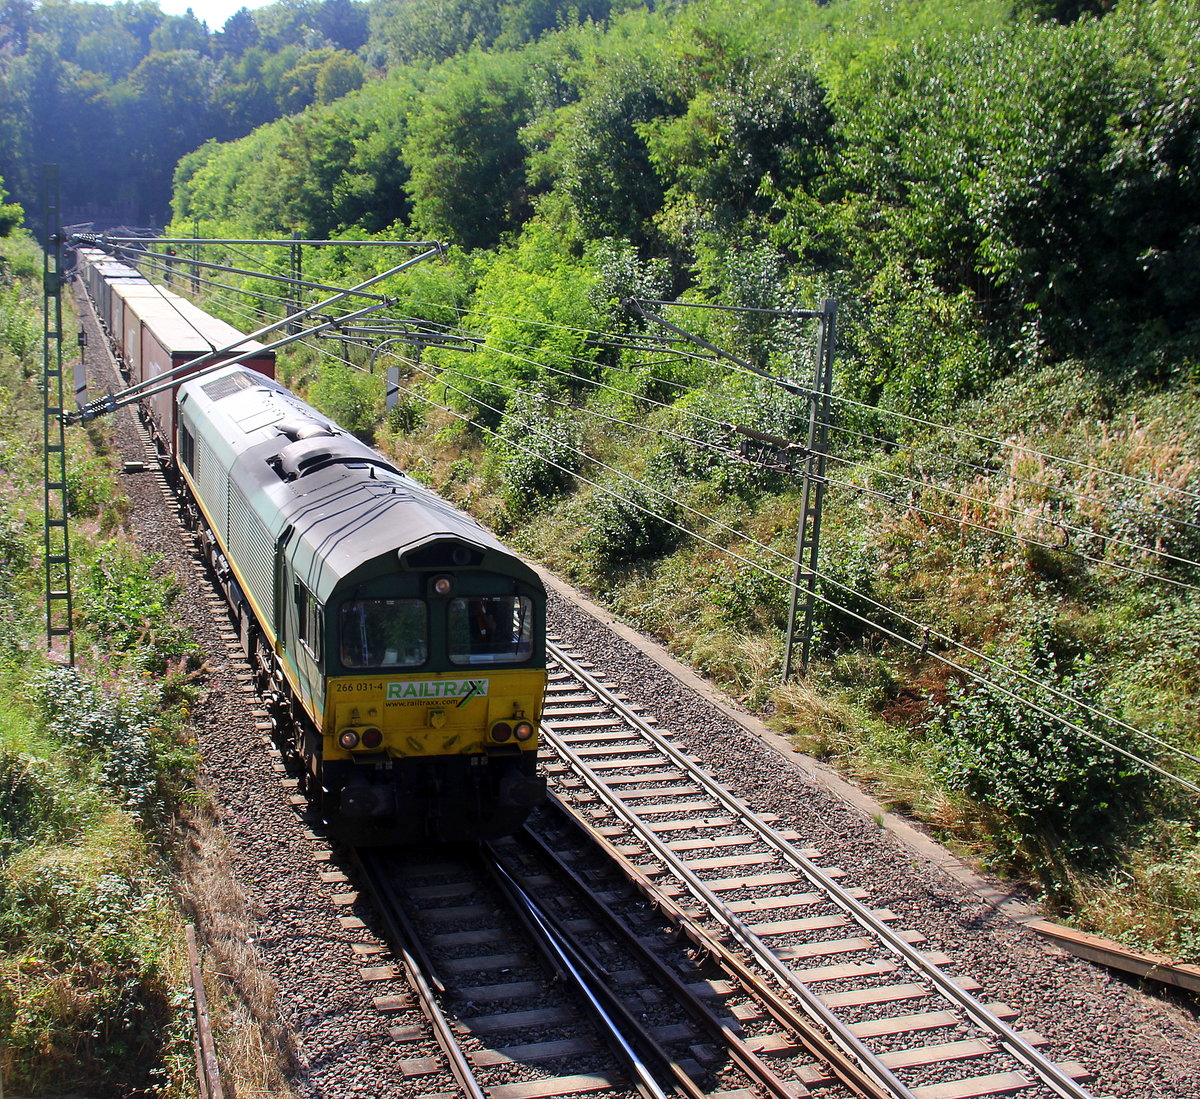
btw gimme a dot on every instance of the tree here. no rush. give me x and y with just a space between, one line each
604 161
338 76
239 34
344 23
164 110
180 32
112 51
464 147
11 215
433 30
16 20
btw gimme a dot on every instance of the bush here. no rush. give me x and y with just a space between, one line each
349 397
87 941
540 452
37 802
123 739
1064 800
121 602
634 526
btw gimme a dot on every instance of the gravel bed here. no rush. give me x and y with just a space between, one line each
1137 1045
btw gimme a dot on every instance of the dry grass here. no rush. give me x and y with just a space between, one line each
254 1050
1154 902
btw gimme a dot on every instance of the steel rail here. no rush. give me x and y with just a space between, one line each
853 1061
746 1059
573 965
782 1010
403 942
1049 1073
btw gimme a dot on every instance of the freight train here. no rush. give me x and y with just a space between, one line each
401 647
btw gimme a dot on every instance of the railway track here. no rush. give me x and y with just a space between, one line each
835 973
534 982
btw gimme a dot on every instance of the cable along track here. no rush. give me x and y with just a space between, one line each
883 1017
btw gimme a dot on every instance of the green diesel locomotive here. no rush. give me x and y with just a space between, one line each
401 645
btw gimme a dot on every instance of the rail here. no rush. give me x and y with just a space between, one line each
208 1072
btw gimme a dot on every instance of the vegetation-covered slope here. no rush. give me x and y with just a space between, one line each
94 767
1003 203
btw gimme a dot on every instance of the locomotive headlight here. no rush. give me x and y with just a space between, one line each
524 730
372 737
443 585
501 731
348 738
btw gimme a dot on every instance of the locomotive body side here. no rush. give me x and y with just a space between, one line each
407 642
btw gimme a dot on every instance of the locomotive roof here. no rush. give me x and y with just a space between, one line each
351 512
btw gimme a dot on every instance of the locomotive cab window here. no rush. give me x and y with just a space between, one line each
308 620
491 629
187 449
383 633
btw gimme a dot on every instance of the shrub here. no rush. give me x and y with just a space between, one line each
37 802
120 600
634 526
540 451
353 399
1064 800
121 738
87 1002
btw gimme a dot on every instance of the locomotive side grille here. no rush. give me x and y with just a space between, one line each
252 548
211 485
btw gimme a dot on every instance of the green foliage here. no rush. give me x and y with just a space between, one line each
406 31
85 931
20 328
350 397
339 75
763 125
127 741
123 604
92 490
88 996
38 802
432 30
468 166
630 525
1063 799
11 214
708 448
534 312
602 160
1043 169
540 448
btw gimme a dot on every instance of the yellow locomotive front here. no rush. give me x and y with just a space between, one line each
432 703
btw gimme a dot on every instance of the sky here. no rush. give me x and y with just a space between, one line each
212 12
